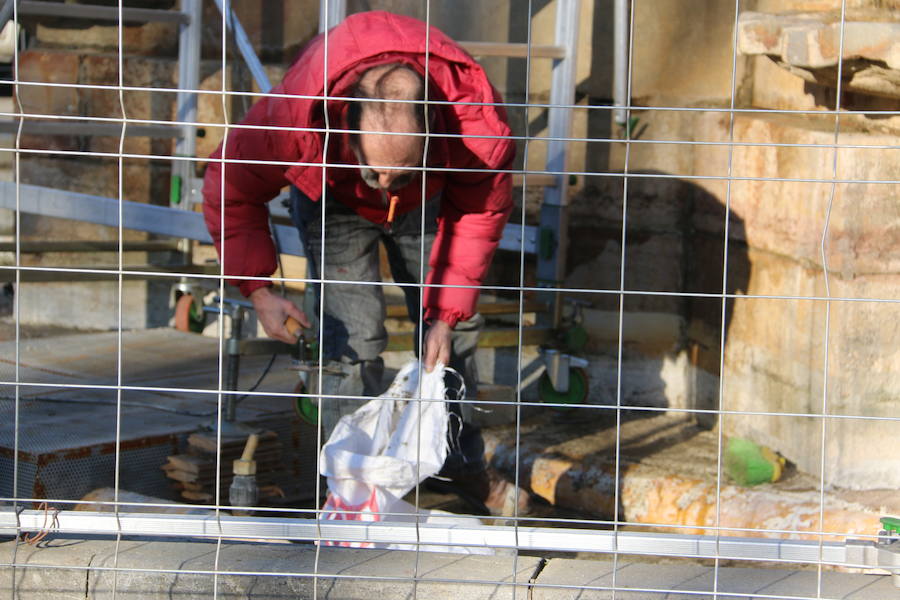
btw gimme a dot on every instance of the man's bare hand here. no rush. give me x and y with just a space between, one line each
272 311
437 345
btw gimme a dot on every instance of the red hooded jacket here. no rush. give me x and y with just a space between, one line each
283 138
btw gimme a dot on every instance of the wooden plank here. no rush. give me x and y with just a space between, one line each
509 338
187 463
490 338
181 476
209 442
398 311
197 496
513 50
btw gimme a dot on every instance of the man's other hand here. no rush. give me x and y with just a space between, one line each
437 345
272 311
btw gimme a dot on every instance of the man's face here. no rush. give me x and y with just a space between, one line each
391 157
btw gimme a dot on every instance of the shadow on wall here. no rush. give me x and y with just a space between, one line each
674 322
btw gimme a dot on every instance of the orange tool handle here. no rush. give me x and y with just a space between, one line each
293 326
392 208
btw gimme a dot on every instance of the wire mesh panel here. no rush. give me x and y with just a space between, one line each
450 299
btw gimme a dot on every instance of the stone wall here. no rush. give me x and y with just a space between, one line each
805 224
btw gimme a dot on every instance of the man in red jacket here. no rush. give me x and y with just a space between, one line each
371 164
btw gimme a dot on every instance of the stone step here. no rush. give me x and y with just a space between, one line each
667 476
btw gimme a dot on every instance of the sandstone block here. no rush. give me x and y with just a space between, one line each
36 67
775 361
814 40
789 217
147 39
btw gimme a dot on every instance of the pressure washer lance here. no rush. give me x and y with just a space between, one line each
244 491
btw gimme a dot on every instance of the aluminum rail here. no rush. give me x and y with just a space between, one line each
163 220
500 537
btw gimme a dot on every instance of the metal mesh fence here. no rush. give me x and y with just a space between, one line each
679 233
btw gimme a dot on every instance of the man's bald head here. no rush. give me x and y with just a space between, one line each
381 125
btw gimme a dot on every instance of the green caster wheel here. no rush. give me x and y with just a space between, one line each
577 394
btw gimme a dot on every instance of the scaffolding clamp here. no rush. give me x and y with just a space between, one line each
883 553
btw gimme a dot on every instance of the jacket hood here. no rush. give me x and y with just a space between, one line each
365 40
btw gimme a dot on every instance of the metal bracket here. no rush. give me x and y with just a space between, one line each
882 554
558 365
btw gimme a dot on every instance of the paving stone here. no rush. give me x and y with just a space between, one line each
565 579
165 569
54 569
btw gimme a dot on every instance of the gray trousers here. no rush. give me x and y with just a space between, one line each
353 330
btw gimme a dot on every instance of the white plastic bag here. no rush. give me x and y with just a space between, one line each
372 459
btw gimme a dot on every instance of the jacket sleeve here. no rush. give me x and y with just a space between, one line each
474 210
235 193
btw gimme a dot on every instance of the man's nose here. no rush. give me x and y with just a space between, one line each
386 179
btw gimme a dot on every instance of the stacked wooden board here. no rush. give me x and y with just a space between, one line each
194 473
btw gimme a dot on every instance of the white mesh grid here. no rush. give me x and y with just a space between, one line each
527 548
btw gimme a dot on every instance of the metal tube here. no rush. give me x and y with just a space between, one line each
6 13
233 359
87 208
246 49
331 12
620 61
189 38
